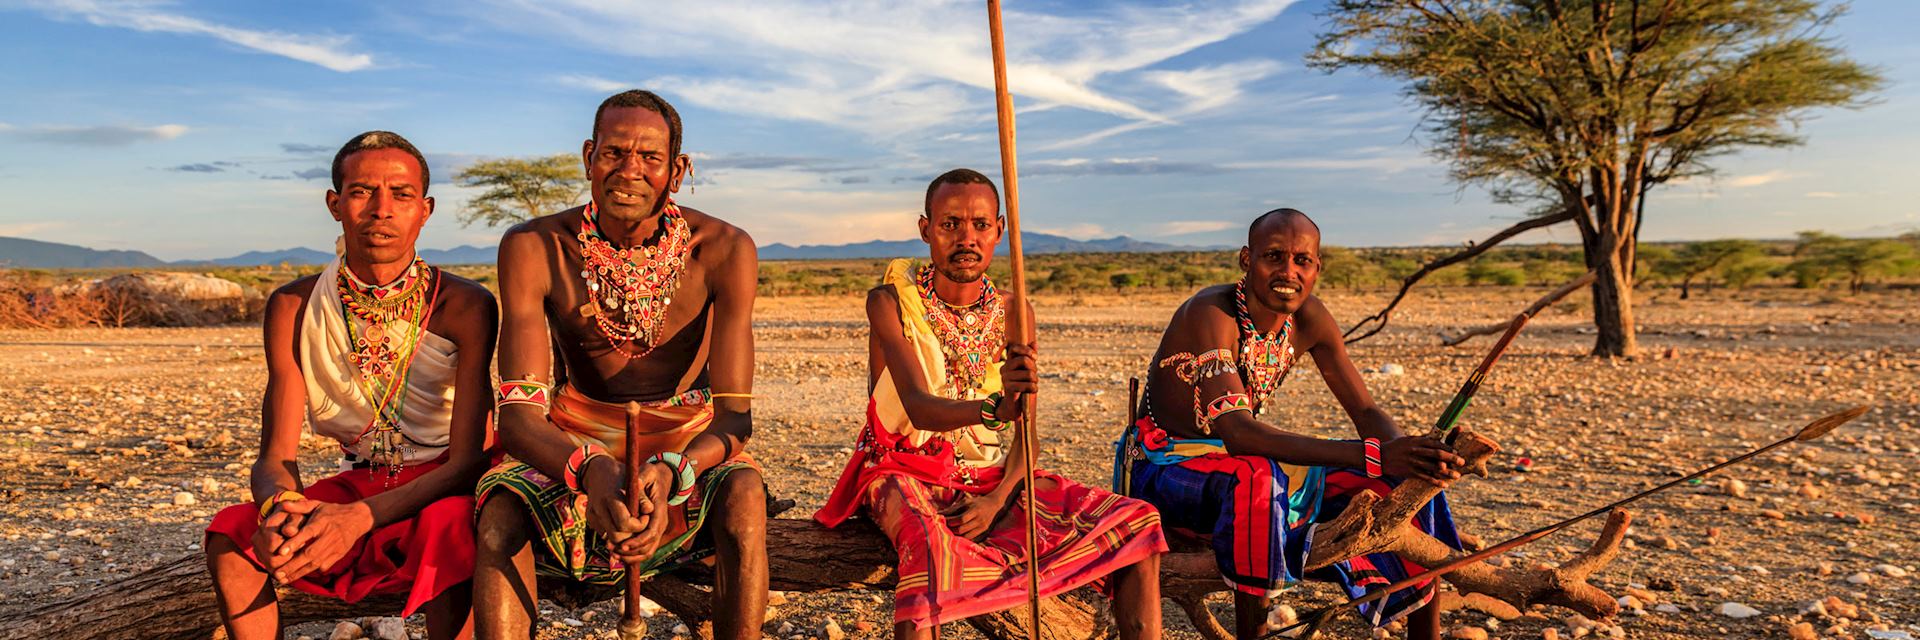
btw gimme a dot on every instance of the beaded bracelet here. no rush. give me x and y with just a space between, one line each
531 392
266 508
1372 447
1224 405
683 475
990 413
577 463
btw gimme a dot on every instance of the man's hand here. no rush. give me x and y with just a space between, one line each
1019 375
605 482
274 531
972 516
328 532
656 486
1424 457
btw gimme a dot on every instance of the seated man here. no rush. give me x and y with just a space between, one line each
1201 455
930 468
645 301
390 357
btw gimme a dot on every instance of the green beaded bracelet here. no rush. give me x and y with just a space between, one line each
990 411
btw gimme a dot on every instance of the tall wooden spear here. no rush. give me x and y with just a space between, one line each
1019 321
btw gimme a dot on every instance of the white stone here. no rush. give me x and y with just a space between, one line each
831 631
1891 571
1666 607
1736 610
1282 615
1391 369
386 628
1860 578
184 499
573 622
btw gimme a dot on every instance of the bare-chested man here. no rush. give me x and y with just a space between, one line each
944 382
644 301
1202 455
390 357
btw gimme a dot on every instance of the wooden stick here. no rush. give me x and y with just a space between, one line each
632 625
1444 426
1019 322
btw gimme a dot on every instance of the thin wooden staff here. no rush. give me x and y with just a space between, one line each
1019 322
632 625
1444 427
1813 430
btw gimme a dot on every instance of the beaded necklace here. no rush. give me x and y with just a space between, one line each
969 335
384 359
1264 358
629 289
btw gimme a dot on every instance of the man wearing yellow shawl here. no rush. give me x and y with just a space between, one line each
930 467
645 302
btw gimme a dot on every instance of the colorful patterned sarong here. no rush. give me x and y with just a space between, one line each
1259 515
422 556
565 547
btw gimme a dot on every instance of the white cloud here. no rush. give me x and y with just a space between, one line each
1825 194
1080 231
1185 227
93 135
1385 163
1757 179
886 68
1212 87
592 83
23 229
331 52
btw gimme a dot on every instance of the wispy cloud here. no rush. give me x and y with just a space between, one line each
1756 179
332 52
886 68
303 149
202 167
316 173
106 135
1081 231
1185 227
22 229
591 83
769 162
1825 194
1114 167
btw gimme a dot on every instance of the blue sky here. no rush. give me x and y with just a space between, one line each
201 130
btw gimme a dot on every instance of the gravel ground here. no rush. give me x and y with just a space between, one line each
116 446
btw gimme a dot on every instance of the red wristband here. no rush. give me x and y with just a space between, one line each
577 463
1372 445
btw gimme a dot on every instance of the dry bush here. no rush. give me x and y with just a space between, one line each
30 301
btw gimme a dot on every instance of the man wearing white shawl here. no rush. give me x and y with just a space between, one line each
389 358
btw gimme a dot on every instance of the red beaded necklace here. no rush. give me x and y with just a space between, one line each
1264 358
386 363
629 289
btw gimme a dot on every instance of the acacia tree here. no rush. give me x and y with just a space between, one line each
519 189
1576 108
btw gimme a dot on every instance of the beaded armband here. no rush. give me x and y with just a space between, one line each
577 463
990 411
1224 405
266 508
683 475
522 392
1374 468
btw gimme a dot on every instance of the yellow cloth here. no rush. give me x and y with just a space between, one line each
337 403
975 445
664 426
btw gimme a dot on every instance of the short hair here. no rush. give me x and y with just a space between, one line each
372 140
645 100
1284 213
960 176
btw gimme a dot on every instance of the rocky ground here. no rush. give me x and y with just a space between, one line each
117 446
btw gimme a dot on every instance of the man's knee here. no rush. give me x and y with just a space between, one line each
742 501
501 528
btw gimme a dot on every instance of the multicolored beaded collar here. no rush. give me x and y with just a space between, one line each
635 284
969 335
395 315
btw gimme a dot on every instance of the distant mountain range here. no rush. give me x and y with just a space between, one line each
1031 242
35 254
